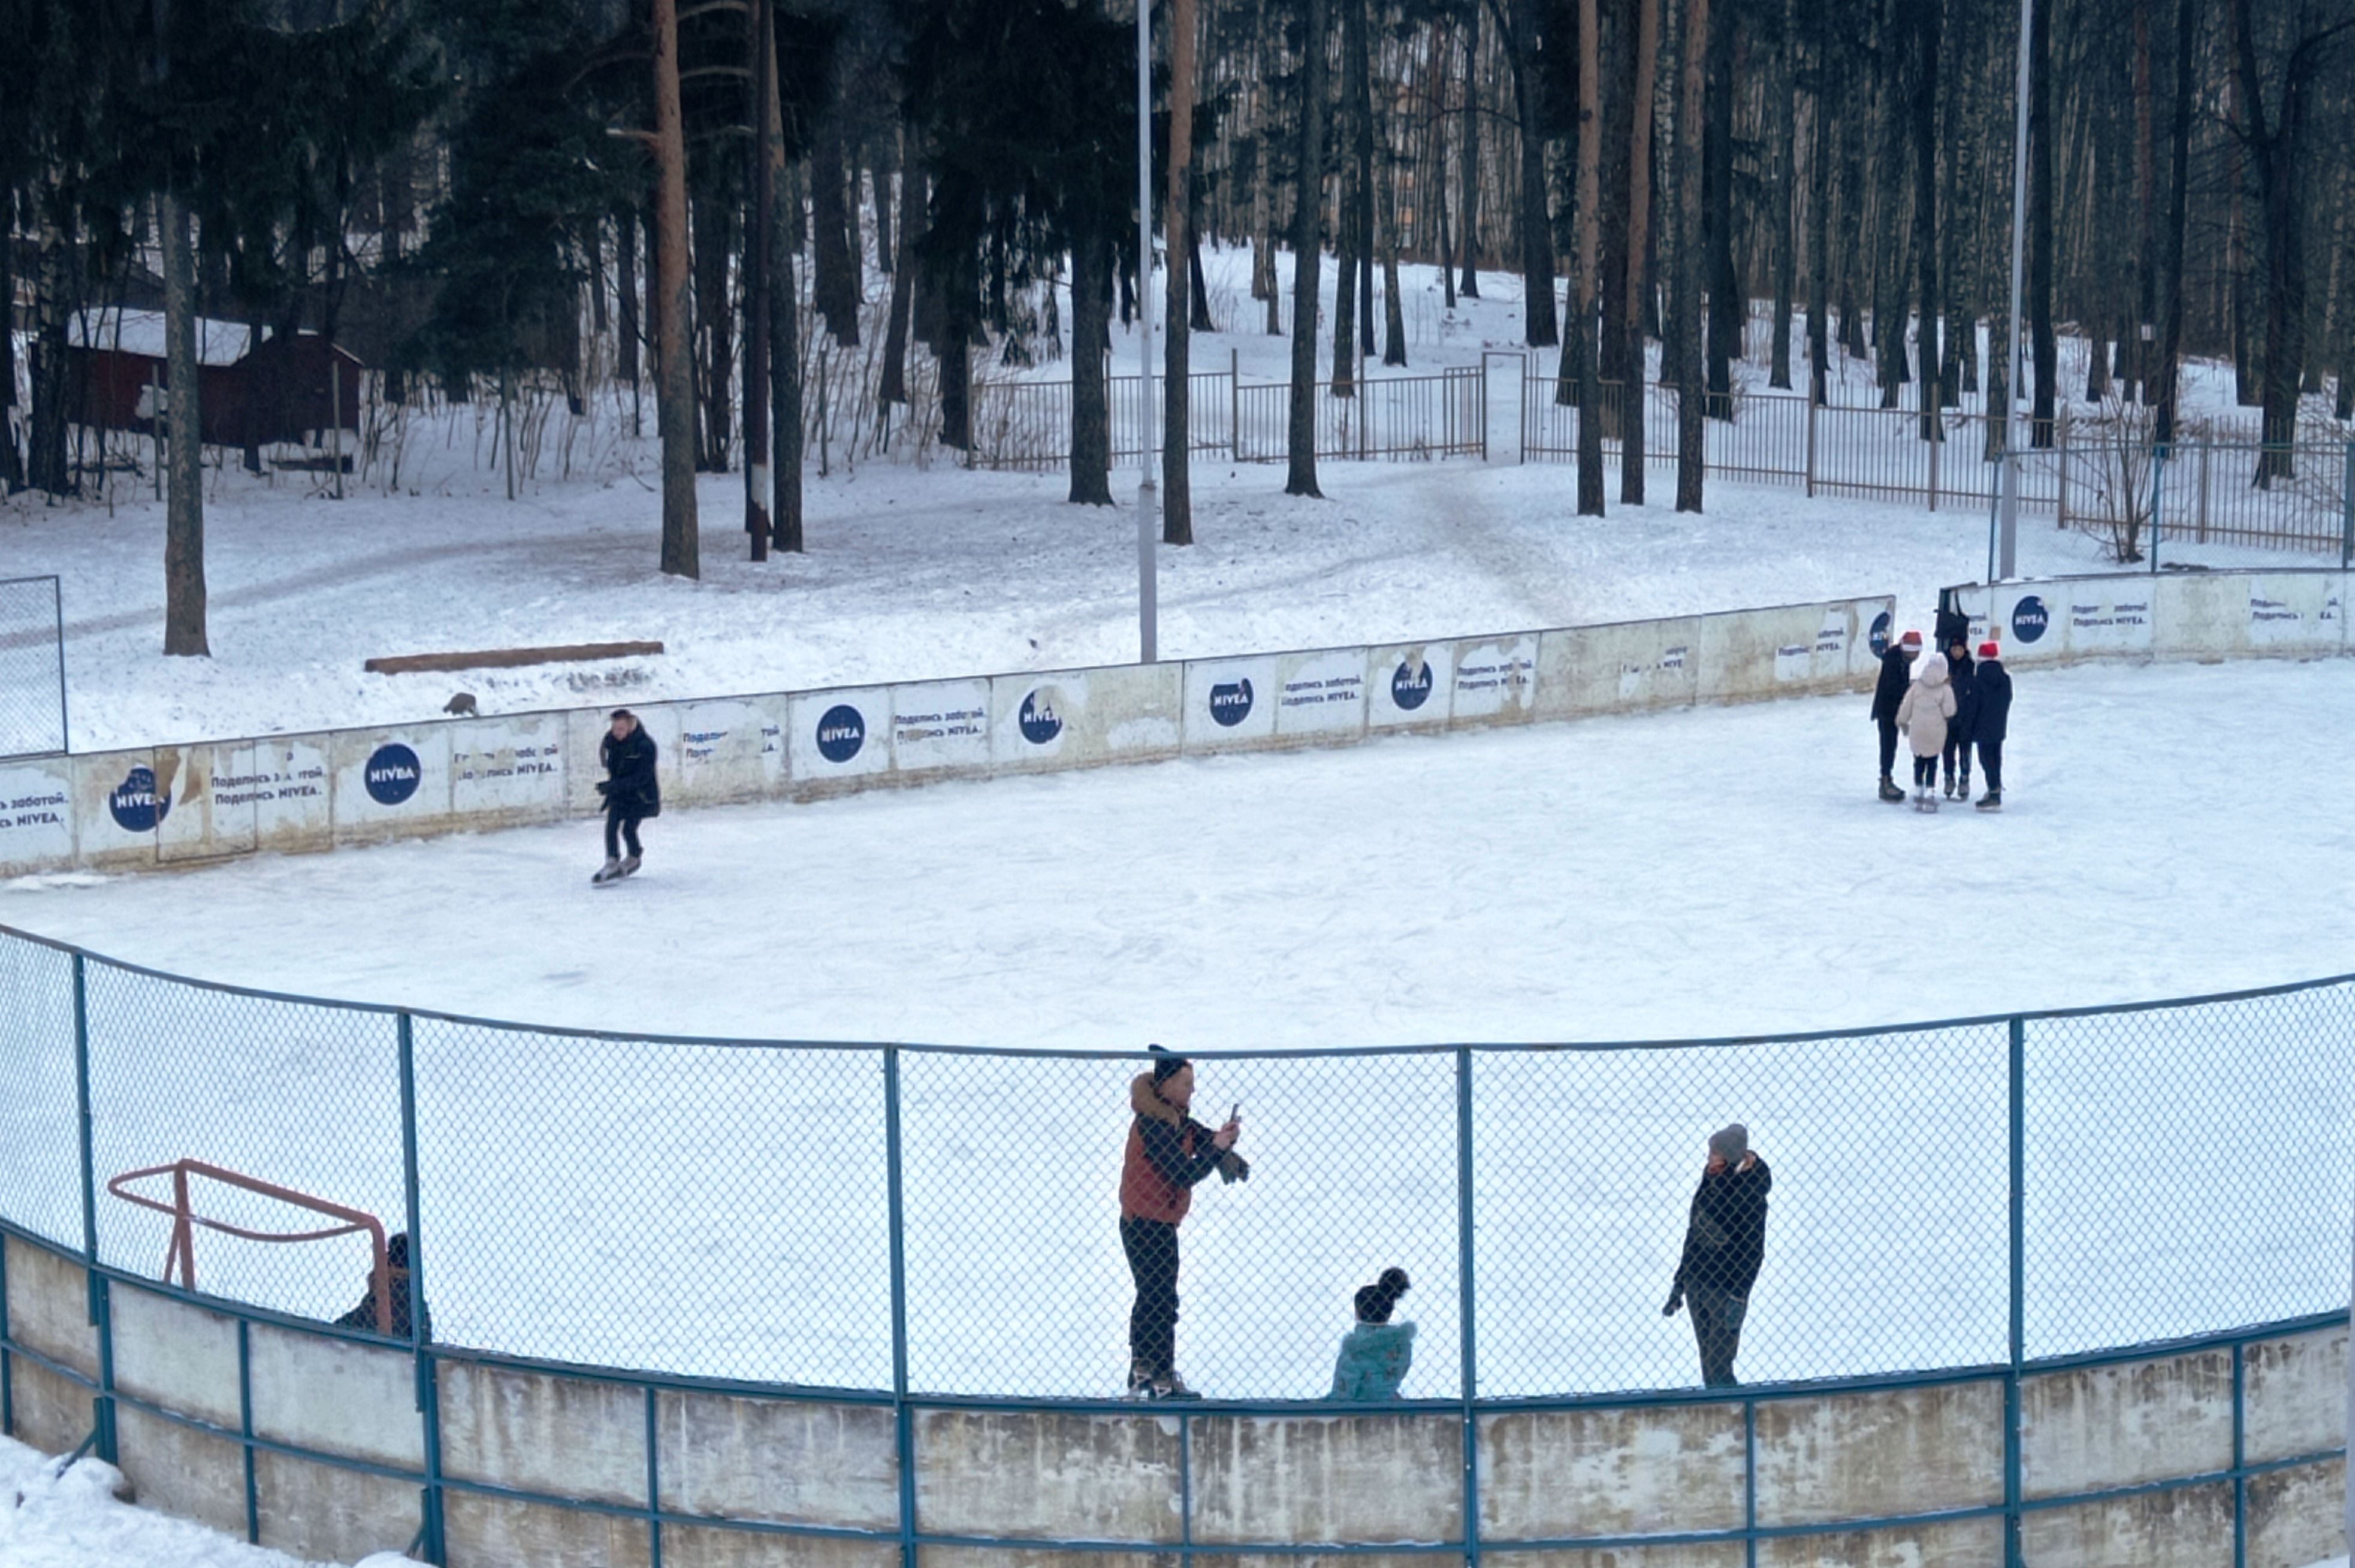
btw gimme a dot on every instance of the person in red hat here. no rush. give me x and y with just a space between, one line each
1896 679
1992 723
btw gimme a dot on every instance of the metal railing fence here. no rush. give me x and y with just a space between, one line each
32 669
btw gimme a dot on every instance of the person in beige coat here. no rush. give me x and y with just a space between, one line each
1929 704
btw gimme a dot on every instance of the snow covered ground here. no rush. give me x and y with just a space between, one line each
71 1520
2170 830
914 575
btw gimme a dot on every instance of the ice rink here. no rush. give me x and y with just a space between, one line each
2168 830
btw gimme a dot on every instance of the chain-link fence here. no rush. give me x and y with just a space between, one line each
949 1222
32 669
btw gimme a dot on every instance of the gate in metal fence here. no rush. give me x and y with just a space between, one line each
32 667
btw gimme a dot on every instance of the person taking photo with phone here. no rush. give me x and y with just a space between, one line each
1168 1155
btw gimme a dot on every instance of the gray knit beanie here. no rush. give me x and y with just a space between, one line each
1730 1143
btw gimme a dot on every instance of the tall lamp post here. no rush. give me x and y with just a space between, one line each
1148 509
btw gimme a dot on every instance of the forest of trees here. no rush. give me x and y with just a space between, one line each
469 190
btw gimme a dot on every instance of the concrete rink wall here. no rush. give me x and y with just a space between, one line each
174 805
322 1444
2201 615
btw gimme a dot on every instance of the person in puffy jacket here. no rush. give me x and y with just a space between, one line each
1896 677
1956 755
1923 716
632 789
1376 1354
1725 1245
1168 1154
1993 722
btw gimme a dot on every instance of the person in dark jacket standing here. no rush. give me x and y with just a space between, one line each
1168 1154
1993 723
396 1271
632 790
1962 676
1725 1241
1896 677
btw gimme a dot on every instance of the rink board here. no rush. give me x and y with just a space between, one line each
170 806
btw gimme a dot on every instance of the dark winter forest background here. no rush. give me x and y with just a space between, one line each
692 199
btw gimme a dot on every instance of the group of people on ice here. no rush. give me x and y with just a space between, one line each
1169 1154
1954 703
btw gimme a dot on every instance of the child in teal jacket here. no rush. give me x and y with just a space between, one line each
1377 1353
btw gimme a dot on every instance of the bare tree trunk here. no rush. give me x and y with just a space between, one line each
1589 204
47 465
713 243
626 330
1929 376
2146 205
1091 329
1386 242
183 525
1729 306
1783 112
2039 224
1177 496
12 468
2277 147
1467 228
1262 229
1537 311
893 388
1642 85
835 286
1436 75
757 482
673 372
785 330
1350 240
879 174
1820 200
1691 111
1307 252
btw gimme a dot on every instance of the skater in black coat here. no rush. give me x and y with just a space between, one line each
1992 723
1896 677
1963 674
632 790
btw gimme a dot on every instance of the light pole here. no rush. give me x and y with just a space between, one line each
2007 511
1148 509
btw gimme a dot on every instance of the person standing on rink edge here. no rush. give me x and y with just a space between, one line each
1962 674
1168 1154
1896 678
1993 722
1725 1243
632 790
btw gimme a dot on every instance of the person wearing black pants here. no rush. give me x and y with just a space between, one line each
1993 723
1168 1154
1725 1243
1896 677
632 789
1962 676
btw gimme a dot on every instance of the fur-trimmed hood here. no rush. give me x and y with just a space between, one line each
1145 1100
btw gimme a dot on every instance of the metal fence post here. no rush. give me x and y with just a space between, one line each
1234 404
1467 1333
1930 390
101 1316
428 1388
2018 1306
2240 1456
2346 539
2206 447
2158 499
58 604
896 1207
2060 463
1811 444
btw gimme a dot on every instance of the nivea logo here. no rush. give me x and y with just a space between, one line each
1231 703
1880 634
1410 685
2028 618
841 733
393 774
1041 721
136 806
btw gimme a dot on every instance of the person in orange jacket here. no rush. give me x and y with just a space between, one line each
1168 1155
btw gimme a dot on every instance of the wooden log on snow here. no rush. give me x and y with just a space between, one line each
508 659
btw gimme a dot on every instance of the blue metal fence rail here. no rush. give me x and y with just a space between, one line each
1468 1407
